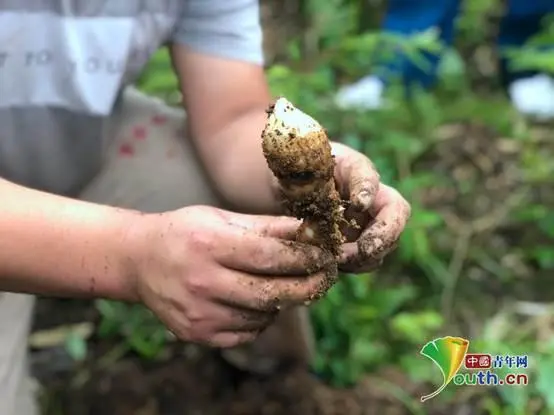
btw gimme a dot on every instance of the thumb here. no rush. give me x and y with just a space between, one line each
357 176
363 182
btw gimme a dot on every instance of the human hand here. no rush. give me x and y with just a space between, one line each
219 278
379 210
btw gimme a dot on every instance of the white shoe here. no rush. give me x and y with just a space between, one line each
534 96
365 94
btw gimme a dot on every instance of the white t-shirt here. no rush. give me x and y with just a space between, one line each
63 64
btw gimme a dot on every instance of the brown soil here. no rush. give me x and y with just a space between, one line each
197 381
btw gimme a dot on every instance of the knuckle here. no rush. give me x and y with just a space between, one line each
194 319
201 240
268 298
375 175
394 194
200 237
366 165
197 285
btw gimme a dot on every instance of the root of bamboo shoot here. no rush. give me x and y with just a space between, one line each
298 153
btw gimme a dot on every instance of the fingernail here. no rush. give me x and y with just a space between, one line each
364 199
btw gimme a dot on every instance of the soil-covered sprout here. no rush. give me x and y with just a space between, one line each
298 153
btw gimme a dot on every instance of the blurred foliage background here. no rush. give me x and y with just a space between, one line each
476 258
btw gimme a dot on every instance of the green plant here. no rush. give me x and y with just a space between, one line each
538 52
136 326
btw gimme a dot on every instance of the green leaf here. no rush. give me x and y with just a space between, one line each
367 352
388 301
416 327
544 255
426 219
76 346
422 248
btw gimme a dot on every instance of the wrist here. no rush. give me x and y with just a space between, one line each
127 246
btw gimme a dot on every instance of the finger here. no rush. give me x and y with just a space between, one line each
357 264
391 213
360 177
208 318
270 294
228 339
256 254
281 227
264 245
390 205
368 249
243 319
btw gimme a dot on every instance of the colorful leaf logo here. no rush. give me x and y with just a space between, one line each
448 354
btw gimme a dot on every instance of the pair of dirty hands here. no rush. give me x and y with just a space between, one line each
219 278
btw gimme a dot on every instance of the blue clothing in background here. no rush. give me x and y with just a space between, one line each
406 17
